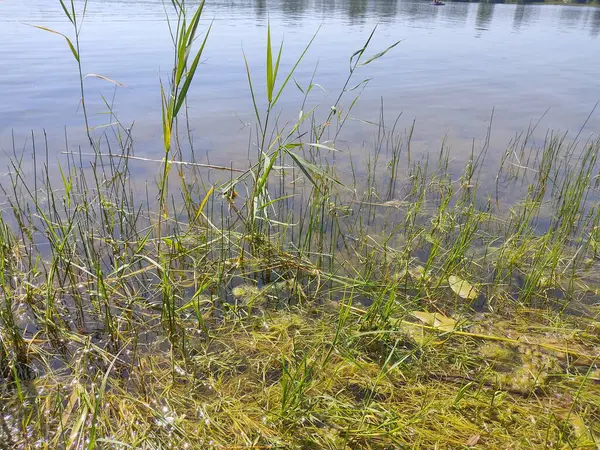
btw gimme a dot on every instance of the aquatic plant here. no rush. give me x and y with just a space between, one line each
404 304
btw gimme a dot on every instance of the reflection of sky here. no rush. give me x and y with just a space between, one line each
455 65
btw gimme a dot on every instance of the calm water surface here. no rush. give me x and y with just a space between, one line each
455 65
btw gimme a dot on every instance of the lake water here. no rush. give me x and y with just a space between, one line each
455 65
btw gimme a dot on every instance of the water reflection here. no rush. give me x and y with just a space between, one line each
485 12
417 12
413 11
571 16
260 8
439 44
457 13
293 9
357 10
524 15
386 9
326 7
595 23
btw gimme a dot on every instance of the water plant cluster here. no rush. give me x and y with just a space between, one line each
311 299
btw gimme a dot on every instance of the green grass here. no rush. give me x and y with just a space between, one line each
310 300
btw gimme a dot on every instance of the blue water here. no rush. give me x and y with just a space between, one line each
455 65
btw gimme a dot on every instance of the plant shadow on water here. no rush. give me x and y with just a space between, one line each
313 299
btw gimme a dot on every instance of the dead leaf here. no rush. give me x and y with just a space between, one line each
424 316
436 320
444 323
462 288
102 77
473 440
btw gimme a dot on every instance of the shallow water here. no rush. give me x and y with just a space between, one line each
456 65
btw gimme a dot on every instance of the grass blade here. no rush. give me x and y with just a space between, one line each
67 13
190 76
50 30
280 91
270 81
379 55
102 77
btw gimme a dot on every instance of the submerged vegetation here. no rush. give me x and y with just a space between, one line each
311 300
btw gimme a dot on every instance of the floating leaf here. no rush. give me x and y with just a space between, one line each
444 323
436 320
425 317
462 288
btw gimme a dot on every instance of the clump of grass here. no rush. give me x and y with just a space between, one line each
272 380
286 305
